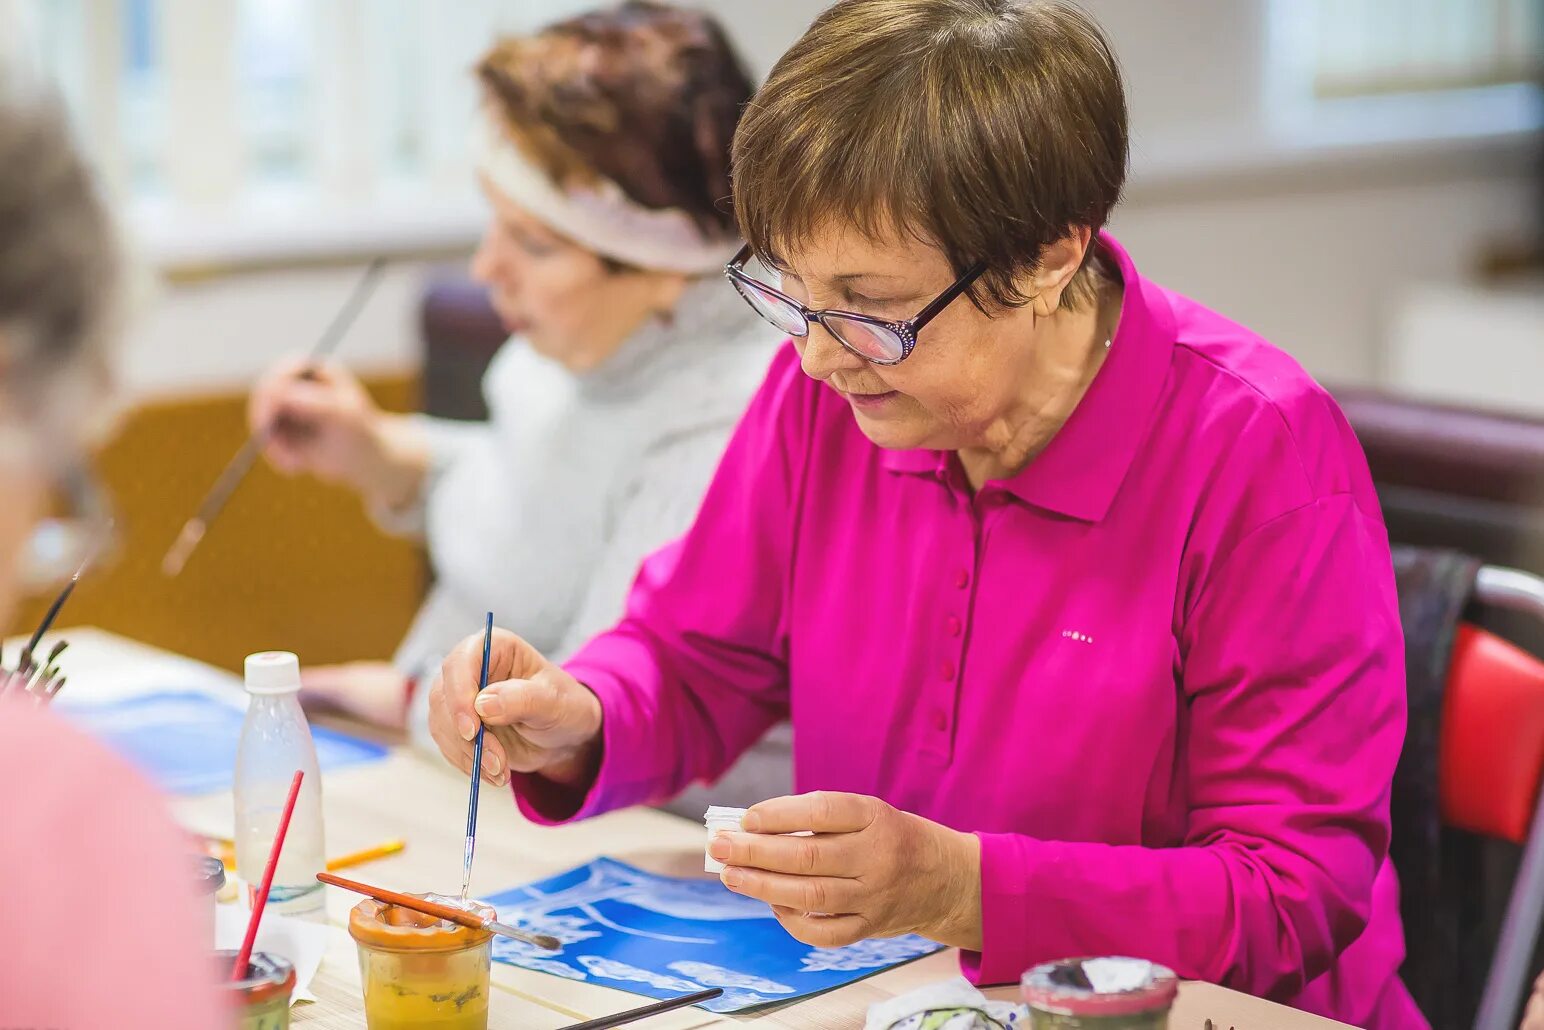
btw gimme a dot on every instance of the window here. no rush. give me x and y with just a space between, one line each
1371 47
1372 71
276 116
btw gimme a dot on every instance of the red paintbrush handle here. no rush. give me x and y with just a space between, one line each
244 956
431 908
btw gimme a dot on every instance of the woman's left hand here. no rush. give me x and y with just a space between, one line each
870 870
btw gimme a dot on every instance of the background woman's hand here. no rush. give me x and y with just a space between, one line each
539 718
869 870
373 691
326 424
322 425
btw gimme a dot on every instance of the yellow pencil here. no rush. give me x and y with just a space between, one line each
390 847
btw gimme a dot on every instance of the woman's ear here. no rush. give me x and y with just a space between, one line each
1059 262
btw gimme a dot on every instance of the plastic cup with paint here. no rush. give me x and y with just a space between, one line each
719 820
1099 994
421 972
261 1001
208 880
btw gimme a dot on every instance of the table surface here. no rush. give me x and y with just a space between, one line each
424 801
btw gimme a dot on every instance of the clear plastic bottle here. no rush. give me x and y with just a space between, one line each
275 741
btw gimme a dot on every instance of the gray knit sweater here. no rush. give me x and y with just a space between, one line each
542 514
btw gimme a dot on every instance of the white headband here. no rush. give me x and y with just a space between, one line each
601 217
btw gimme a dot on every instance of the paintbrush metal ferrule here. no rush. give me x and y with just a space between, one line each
177 554
466 865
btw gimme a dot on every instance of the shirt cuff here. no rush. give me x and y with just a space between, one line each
1005 932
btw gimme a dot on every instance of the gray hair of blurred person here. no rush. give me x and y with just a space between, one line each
59 275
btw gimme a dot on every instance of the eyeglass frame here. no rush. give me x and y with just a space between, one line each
906 329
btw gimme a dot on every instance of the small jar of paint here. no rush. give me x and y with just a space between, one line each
1099 994
208 881
417 970
719 820
261 1000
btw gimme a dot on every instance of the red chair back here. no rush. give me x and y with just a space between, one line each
1491 750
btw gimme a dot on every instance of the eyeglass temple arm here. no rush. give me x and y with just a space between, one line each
944 299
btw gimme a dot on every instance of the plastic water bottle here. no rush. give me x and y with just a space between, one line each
275 741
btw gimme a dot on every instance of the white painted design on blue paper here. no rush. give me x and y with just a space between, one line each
640 932
876 954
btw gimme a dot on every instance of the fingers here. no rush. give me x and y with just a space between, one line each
534 703
832 894
495 769
459 751
460 675
823 931
447 737
822 811
800 856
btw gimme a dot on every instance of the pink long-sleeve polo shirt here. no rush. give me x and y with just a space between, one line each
1158 672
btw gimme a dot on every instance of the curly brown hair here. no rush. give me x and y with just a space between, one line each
644 94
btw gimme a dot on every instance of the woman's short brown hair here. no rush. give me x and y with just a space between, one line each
644 94
985 127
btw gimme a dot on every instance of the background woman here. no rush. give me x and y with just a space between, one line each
605 160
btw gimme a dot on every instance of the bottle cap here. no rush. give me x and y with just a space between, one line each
273 672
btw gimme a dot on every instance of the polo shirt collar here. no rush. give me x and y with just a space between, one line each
1081 469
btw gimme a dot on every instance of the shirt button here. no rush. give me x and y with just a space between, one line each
940 720
962 578
946 670
952 626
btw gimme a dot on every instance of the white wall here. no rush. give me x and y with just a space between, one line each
1320 248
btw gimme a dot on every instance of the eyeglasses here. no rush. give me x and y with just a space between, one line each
879 340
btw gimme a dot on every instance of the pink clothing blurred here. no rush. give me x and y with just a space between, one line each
1159 672
98 924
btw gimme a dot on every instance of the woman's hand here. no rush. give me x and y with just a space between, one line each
373 691
540 719
874 871
319 419
1533 1016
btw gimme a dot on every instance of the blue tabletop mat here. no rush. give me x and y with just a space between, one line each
186 741
665 936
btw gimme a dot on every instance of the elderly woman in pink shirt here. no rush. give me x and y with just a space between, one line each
98 922
1077 593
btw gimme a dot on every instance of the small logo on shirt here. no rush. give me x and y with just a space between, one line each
1078 635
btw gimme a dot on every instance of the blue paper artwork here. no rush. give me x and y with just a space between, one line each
665 936
186 741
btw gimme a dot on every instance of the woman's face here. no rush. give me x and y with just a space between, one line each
558 295
968 372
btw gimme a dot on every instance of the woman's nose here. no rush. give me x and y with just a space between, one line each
493 263
822 354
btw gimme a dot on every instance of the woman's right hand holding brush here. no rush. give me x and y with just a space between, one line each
540 720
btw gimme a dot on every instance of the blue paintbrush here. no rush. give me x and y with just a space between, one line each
471 805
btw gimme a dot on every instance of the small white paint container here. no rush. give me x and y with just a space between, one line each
719 820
